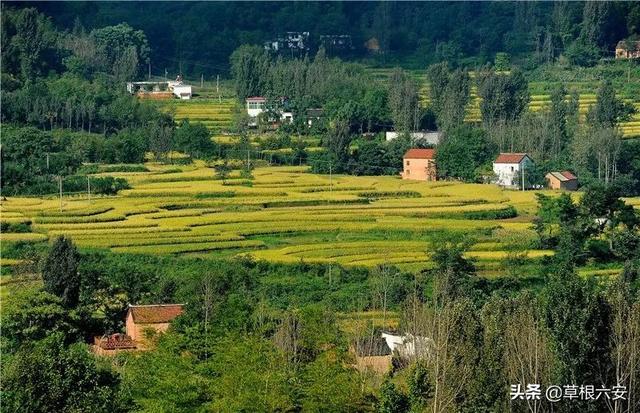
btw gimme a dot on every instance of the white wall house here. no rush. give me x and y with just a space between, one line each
507 167
255 106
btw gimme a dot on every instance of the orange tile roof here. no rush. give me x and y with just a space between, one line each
416 153
156 313
510 158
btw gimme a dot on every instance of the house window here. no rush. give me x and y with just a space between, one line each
407 163
512 169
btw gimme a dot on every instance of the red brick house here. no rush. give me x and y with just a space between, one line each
419 164
153 318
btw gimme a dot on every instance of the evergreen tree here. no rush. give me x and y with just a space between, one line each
60 273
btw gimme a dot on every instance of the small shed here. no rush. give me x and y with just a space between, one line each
419 164
155 317
108 345
562 180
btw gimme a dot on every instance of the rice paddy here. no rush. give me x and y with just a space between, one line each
285 215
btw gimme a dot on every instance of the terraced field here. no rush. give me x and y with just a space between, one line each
586 90
215 114
286 215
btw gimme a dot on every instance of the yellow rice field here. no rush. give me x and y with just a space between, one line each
285 215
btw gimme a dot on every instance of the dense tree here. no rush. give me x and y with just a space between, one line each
45 376
609 110
250 70
32 315
504 96
403 102
463 152
392 400
30 41
60 272
122 49
194 139
449 95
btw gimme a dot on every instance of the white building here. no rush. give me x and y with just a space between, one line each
255 106
181 91
162 89
507 167
408 346
286 117
432 138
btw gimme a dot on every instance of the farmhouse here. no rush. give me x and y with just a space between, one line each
336 42
408 346
432 138
507 167
562 180
292 41
255 106
372 354
628 49
180 90
419 164
314 115
160 90
153 318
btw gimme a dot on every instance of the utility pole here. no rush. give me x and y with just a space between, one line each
149 69
88 189
330 182
47 161
218 88
523 176
248 159
201 80
165 73
60 189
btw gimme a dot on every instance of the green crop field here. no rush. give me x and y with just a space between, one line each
285 215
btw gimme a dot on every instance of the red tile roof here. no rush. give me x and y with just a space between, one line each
568 175
114 342
420 154
510 157
156 313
